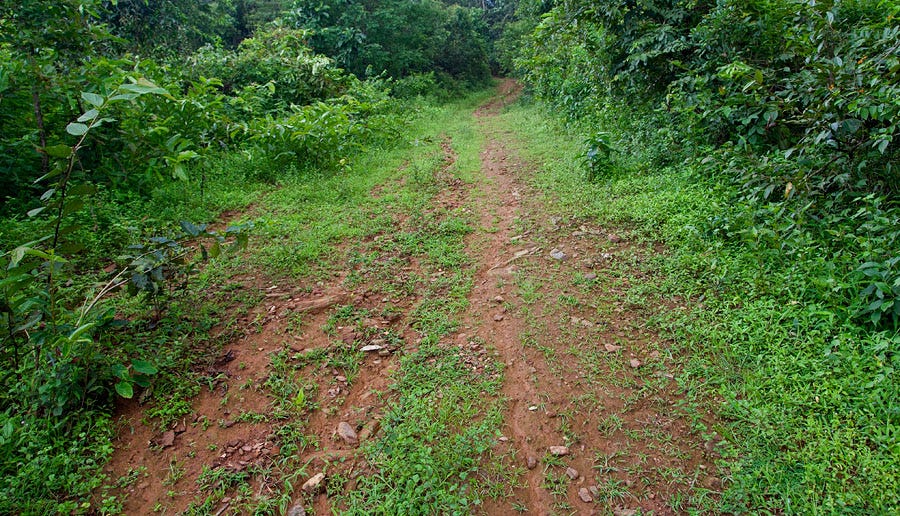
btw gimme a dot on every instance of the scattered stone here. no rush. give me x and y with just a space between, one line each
313 484
624 512
635 363
585 495
180 427
611 348
499 299
654 354
167 439
594 491
384 353
532 408
559 451
297 510
503 438
590 276
341 378
612 237
572 473
371 347
347 433
556 254
498 317
531 462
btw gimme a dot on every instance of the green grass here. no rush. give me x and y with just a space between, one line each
808 392
442 418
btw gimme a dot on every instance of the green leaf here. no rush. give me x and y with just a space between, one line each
58 151
178 172
93 98
191 229
72 206
124 96
143 86
76 129
83 189
71 247
16 256
119 371
81 330
89 115
125 389
143 367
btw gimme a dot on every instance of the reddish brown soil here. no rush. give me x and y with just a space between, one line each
567 347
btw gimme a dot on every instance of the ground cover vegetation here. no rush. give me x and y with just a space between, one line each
127 128
758 140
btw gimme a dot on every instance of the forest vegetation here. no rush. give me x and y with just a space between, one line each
756 139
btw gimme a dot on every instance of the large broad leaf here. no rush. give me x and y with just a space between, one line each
58 151
89 115
76 129
143 86
125 389
93 98
143 367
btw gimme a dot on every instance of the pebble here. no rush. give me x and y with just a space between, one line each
498 299
531 462
590 276
297 510
611 348
572 473
498 317
635 363
168 439
594 491
347 433
341 378
313 484
613 238
556 254
371 347
559 451
585 495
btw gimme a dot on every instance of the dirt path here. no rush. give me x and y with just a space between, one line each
591 411
592 419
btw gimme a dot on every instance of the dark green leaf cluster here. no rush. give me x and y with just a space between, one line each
399 37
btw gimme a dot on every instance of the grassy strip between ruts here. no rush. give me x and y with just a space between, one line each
442 418
809 396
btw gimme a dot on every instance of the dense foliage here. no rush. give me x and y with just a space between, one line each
785 113
399 37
